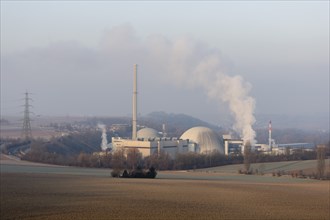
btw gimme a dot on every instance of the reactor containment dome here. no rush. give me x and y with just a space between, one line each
147 133
206 140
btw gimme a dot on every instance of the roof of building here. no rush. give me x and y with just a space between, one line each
147 133
207 140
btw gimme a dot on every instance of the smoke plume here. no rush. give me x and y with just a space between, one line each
188 63
104 144
183 61
192 63
234 91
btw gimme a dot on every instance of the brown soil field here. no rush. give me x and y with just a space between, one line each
54 196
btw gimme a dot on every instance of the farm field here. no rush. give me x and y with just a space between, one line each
268 168
48 192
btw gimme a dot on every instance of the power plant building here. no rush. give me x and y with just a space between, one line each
203 140
148 142
148 133
197 139
150 146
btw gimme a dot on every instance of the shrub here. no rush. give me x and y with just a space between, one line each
151 173
115 173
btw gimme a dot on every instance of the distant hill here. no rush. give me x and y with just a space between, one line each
303 122
57 150
176 124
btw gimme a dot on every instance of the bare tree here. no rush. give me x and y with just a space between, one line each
134 158
164 160
83 160
106 160
118 160
151 161
320 161
161 161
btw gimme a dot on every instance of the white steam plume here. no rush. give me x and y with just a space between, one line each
234 91
104 144
192 63
183 61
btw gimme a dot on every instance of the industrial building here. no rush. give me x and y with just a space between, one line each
150 146
149 141
290 148
232 146
198 139
203 140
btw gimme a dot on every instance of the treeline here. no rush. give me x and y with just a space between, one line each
292 135
13 145
80 150
63 150
133 158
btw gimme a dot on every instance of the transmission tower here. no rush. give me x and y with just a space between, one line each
26 131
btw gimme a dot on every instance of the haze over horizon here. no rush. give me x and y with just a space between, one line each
77 57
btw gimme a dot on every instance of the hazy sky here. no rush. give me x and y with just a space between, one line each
76 58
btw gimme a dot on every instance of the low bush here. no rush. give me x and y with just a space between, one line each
115 173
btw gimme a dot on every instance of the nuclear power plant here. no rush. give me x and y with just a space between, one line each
197 139
149 141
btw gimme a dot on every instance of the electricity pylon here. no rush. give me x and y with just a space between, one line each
26 131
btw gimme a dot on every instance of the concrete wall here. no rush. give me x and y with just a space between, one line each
147 148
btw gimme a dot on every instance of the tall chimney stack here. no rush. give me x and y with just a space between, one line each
270 134
134 118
